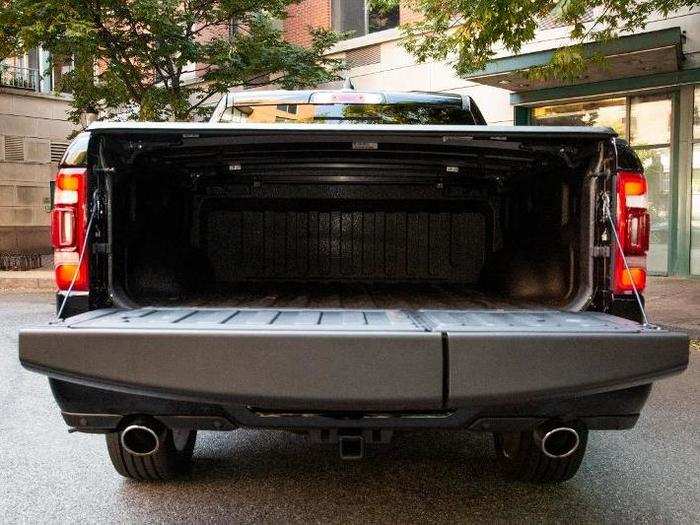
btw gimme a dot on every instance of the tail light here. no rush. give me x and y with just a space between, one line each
68 228
633 229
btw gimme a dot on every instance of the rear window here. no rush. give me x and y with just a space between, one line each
349 113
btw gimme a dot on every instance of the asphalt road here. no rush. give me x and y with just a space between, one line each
648 474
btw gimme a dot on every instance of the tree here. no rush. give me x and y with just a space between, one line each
469 31
131 56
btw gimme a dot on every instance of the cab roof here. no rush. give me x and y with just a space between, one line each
307 96
304 96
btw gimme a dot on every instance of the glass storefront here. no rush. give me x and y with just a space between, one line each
610 113
657 168
695 191
649 129
651 119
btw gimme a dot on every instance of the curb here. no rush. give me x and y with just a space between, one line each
33 280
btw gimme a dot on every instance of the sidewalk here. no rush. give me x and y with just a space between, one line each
674 302
30 281
39 280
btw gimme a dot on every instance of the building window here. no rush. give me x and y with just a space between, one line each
287 108
650 120
695 190
61 68
357 18
20 72
379 20
647 122
34 71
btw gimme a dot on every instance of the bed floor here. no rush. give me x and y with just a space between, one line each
341 295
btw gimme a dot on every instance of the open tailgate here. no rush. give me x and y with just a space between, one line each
353 359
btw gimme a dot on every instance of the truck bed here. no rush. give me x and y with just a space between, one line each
426 218
348 295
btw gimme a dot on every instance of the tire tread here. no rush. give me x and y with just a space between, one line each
166 463
530 464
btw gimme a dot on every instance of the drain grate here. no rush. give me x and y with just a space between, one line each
20 262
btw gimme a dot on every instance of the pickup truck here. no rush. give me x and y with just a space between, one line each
350 265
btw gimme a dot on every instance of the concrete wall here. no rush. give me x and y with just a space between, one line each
31 126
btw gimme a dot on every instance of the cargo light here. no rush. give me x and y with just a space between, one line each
68 228
633 230
346 98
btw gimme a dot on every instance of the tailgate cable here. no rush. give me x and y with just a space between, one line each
607 214
83 249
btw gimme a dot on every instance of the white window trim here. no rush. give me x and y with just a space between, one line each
379 37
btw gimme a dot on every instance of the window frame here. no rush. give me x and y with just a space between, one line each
694 142
366 19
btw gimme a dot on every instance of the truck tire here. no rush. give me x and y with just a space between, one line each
522 459
172 458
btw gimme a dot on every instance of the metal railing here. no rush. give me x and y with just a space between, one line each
19 77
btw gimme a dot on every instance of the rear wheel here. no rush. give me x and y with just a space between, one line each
521 457
172 458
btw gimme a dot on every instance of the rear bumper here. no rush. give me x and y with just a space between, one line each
403 366
94 410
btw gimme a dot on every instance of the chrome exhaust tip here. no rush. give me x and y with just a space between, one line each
558 442
140 440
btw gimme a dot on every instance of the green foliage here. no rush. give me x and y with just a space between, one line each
468 32
132 56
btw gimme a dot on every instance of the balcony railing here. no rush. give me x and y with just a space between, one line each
19 77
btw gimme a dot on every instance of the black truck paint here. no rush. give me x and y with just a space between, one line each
142 345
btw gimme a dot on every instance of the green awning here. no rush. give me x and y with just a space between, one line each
626 57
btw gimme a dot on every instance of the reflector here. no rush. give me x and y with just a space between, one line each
637 242
62 227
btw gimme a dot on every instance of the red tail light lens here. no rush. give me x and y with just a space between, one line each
633 230
65 274
633 184
68 225
638 276
70 179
